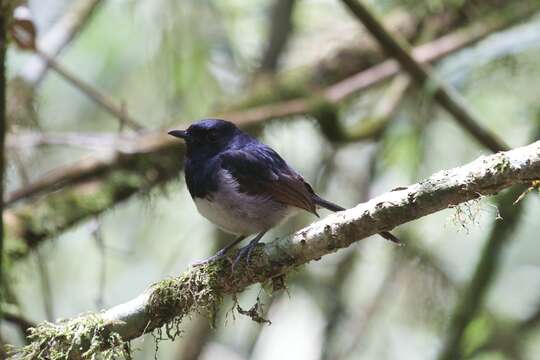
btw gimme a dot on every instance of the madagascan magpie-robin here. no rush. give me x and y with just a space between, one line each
242 185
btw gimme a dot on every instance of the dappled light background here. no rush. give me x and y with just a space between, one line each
172 62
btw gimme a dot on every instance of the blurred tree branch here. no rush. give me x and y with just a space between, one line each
57 38
507 338
423 75
14 317
24 34
99 183
101 99
201 289
414 27
280 28
22 87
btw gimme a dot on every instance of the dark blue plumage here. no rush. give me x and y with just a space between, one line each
242 185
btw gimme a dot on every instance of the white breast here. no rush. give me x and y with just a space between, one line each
238 213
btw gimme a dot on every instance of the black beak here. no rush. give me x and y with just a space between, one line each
179 134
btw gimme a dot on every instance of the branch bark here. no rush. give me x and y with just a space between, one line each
202 289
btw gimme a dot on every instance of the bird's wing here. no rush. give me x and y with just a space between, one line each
259 170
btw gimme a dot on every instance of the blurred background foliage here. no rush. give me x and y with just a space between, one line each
172 62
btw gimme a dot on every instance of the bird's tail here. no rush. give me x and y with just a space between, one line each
334 207
327 204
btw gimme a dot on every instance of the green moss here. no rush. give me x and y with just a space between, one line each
199 290
65 341
192 292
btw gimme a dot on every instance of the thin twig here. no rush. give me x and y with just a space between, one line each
98 97
98 142
57 38
97 233
361 331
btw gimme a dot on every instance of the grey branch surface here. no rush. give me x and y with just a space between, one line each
201 289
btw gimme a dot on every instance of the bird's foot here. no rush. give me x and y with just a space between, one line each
217 256
244 252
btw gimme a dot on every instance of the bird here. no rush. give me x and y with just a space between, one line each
243 186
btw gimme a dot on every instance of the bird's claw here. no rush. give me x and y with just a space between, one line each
217 256
244 252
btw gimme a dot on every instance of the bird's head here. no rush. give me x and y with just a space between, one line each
207 137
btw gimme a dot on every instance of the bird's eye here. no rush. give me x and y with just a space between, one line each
211 136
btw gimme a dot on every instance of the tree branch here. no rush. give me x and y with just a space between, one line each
98 184
422 74
101 99
201 289
14 317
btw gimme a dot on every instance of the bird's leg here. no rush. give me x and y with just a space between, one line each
247 250
221 253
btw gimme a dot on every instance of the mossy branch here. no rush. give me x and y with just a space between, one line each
201 289
98 184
